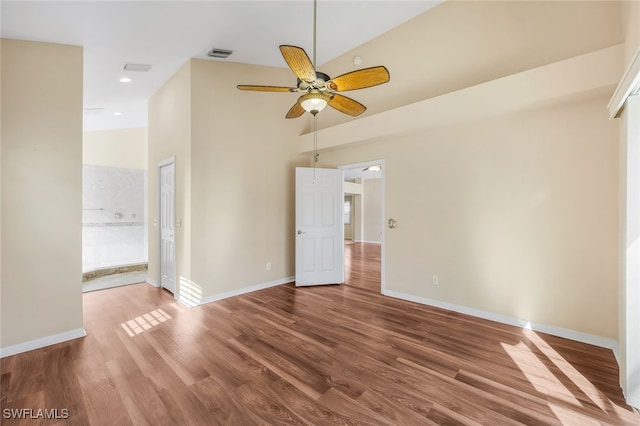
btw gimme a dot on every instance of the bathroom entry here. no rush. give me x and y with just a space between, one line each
113 226
114 207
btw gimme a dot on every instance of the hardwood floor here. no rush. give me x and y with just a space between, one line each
362 266
311 355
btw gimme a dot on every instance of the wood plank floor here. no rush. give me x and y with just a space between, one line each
313 355
362 265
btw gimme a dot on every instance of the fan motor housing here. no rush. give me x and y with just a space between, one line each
321 79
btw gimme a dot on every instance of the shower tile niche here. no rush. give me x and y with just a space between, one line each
114 231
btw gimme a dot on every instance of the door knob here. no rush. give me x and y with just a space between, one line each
301 232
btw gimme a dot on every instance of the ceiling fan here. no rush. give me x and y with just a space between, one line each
319 90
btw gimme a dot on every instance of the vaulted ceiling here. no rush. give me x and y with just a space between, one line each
165 34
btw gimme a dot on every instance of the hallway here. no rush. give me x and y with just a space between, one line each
362 265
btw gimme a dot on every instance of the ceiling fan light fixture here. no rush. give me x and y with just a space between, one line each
314 101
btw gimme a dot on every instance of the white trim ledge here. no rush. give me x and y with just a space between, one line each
152 282
627 86
596 72
565 333
245 290
42 342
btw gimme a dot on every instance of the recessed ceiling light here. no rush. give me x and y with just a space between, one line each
125 80
117 113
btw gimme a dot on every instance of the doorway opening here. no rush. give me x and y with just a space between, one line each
363 222
114 208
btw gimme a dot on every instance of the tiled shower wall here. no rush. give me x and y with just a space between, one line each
114 231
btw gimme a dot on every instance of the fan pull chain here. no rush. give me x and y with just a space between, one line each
315 145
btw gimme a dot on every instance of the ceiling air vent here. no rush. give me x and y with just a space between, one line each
219 53
136 67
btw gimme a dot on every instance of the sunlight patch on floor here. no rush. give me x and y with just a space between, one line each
145 322
537 373
570 371
189 293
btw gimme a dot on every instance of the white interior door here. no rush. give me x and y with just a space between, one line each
319 226
167 226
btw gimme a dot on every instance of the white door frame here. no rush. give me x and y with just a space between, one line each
630 289
383 287
161 164
625 103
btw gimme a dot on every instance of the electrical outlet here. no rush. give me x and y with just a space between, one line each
436 281
268 266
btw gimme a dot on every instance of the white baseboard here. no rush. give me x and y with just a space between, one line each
245 290
42 342
152 282
365 241
578 336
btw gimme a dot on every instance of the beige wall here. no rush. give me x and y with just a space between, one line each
372 210
41 190
463 43
517 215
244 159
124 148
235 157
631 29
170 135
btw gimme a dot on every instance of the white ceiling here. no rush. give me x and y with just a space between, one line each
165 34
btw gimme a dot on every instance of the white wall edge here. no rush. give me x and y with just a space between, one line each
626 87
245 290
42 342
152 282
565 333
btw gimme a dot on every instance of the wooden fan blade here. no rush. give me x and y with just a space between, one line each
295 111
360 79
347 105
266 88
299 62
